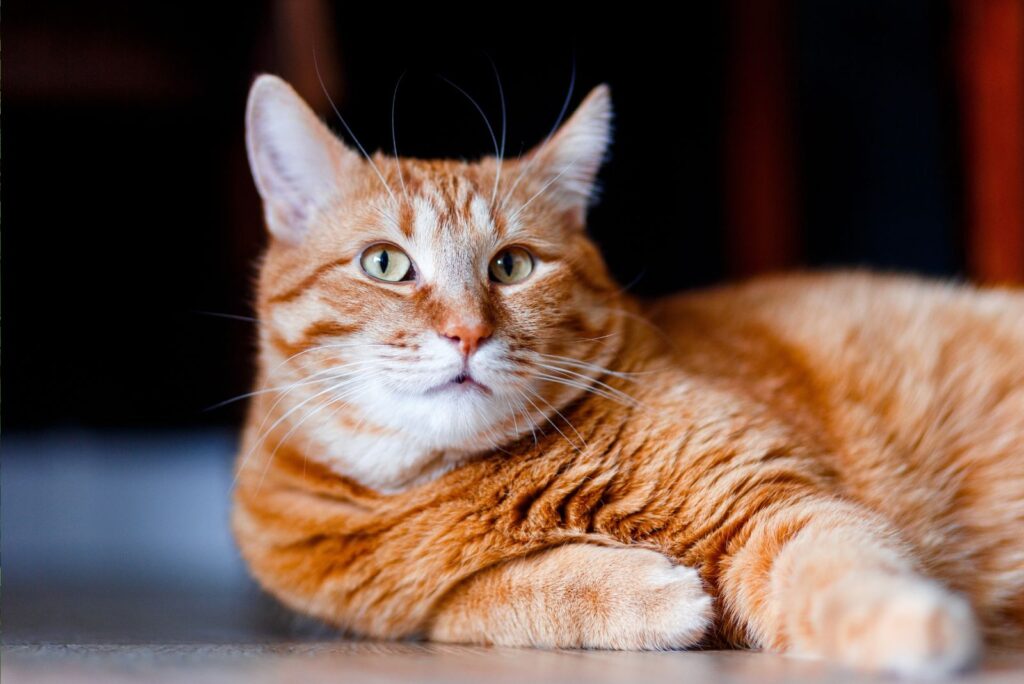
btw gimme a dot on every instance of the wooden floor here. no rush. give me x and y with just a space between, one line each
121 637
107 578
351 662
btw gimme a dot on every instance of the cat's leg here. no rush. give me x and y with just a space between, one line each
824 578
579 596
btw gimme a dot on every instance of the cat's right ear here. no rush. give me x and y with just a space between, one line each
566 164
296 161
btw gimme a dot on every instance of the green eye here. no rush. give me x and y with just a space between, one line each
387 263
511 265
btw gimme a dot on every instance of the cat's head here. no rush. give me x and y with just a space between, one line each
457 304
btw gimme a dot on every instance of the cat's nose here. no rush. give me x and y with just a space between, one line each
467 335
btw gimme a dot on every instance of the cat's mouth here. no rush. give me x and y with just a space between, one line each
463 382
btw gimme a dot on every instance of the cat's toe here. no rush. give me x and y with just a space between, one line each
681 612
660 606
921 630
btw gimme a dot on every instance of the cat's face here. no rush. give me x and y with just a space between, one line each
458 304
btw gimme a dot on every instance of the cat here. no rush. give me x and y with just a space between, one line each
465 431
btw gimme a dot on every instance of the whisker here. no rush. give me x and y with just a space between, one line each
504 120
585 379
587 385
638 317
495 437
394 137
233 317
515 420
362 420
263 434
322 347
323 86
573 340
494 138
309 414
545 417
587 389
577 363
311 380
533 428
544 187
278 401
558 122
513 410
559 414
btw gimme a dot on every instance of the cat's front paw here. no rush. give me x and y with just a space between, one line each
640 600
904 626
580 596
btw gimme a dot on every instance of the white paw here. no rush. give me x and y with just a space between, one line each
912 628
650 604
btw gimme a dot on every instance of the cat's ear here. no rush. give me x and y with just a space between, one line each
570 159
297 163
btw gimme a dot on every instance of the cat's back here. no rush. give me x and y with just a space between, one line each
836 323
910 352
840 306
918 386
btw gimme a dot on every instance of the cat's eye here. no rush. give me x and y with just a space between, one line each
387 263
511 265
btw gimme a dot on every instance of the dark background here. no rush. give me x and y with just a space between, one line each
751 136
129 218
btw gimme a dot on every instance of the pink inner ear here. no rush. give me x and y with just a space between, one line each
287 223
294 157
572 157
286 212
575 216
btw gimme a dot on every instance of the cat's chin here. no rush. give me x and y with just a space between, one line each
462 414
458 386
426 435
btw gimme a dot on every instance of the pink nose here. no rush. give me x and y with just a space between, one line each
468 336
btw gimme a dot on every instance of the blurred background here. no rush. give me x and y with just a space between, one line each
751 136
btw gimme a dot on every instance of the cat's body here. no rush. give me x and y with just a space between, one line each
813 463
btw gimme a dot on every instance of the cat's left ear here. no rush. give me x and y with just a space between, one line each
297 163
570 159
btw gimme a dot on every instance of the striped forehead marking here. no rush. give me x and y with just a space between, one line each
450 205
426 218
480 215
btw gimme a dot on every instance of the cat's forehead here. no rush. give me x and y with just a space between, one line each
447 200
304 173
432 216
451 192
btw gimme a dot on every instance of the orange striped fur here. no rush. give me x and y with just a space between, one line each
831 465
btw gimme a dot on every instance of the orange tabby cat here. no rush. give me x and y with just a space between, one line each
466 431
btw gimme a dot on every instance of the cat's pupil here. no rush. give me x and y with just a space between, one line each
382 261
506 263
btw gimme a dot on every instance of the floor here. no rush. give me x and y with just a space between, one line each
118 567
340 661
101 637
